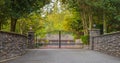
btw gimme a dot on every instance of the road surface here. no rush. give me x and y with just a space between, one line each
65 56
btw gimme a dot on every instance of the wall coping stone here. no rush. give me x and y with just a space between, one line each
94 29
107 34
13 33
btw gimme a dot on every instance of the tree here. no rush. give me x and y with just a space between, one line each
34 20
85 12
3 13
21 8
96 12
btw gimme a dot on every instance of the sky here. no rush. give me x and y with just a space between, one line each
49 7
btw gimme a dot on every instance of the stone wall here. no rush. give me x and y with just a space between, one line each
109 44
12 45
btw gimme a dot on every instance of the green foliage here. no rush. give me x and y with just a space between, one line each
77 16
37 45
16 9
3 14
21 8
85 39
100 11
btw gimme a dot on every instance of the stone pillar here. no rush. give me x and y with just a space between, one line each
93 33
31 40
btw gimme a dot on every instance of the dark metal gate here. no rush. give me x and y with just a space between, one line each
60 42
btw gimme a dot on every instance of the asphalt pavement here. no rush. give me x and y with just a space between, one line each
64 56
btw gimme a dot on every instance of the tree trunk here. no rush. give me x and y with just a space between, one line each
0 25
84 22
104 24
13 24
90 21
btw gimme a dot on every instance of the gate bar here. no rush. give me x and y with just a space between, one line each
59 39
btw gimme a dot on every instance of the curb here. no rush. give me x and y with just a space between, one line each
9 59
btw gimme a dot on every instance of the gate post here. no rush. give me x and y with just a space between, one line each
92 34
59 39
31 39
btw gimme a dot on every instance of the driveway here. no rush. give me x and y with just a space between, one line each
65 56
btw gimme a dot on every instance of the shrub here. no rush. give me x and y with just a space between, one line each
85 39
38 45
